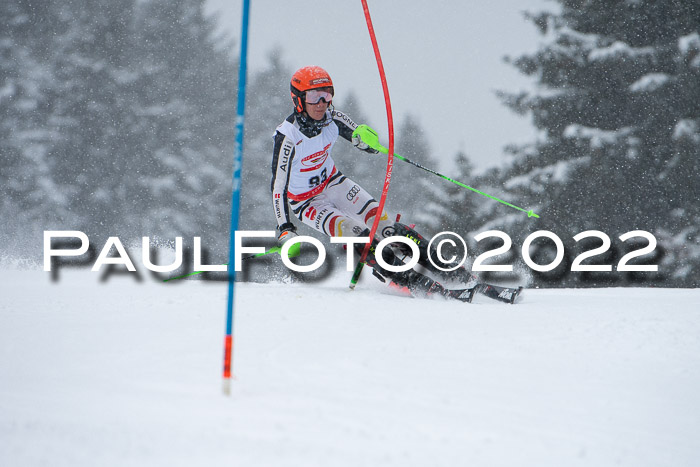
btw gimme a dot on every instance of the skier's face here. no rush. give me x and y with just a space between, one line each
317 102
316 111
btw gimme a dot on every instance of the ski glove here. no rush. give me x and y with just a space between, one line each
287 231
361 145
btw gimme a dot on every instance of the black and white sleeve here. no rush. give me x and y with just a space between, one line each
345 124
282 156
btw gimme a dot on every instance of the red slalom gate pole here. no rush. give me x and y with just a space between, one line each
390 155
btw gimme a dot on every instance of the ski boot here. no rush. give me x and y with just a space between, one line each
410 282
437 267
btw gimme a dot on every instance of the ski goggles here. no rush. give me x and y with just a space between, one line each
314 96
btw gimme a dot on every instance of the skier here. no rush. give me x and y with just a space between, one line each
307 184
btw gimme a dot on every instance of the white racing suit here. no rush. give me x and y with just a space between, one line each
306 181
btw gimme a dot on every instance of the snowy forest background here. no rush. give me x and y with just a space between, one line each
117 117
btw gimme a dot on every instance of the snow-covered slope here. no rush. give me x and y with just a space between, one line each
128 373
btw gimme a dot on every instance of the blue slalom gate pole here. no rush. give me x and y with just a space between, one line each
236 198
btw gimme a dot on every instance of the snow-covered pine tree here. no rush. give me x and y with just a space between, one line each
30 195
91 156
618 105
415 193
118 120
460 210
267 105
184 114
467 213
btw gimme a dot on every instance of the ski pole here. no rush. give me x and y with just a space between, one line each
293 251
370 137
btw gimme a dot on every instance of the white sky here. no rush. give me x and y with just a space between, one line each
442 61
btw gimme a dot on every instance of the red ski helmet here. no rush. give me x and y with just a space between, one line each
305 79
